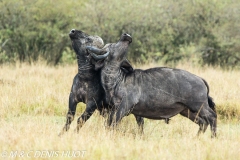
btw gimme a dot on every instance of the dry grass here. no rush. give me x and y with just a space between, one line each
34 100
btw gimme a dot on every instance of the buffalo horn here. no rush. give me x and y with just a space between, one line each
95 51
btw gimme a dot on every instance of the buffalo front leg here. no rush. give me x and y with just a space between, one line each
140 122
90 108
116 114
70 114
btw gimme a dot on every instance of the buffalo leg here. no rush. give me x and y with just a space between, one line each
90 108
140 122
71 112
196 119
210 117
111 117
117 113
115 117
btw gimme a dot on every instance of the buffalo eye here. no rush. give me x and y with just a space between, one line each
89 39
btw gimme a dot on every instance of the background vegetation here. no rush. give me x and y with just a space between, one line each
167 31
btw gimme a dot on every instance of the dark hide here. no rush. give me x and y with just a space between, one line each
155 93
86 85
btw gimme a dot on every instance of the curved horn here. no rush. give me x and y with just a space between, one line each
99 57
94 50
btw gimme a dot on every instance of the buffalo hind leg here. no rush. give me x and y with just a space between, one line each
196 119
210 117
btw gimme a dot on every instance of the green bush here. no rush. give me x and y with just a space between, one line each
160 29
35 29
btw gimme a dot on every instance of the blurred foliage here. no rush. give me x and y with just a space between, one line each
200 31
35 29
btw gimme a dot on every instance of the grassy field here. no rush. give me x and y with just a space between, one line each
34 101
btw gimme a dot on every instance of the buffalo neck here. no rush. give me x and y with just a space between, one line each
111 75
85 68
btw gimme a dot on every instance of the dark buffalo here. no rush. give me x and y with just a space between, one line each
86 85
155 93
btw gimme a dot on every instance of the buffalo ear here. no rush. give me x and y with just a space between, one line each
99 64
126 66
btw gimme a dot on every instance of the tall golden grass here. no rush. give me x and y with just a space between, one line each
34 101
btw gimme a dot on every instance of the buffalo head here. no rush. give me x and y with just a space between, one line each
114 53
80 40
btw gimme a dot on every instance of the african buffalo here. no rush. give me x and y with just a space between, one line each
86 85
155 93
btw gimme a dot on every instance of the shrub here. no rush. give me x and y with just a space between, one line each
160 29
